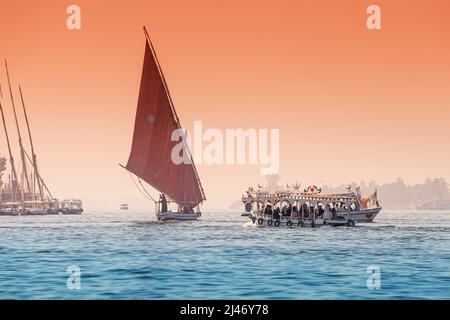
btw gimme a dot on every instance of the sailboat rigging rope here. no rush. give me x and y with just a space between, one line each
39 177
146 194
145 190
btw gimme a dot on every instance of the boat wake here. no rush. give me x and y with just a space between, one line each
249 224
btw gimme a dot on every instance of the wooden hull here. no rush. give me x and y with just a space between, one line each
69 212
35 213
9 213
267 221
45 212
365 215
176 216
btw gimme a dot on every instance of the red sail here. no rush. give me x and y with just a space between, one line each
150 157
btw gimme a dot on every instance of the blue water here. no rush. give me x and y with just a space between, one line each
125 255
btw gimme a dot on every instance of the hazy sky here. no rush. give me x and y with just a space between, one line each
350 103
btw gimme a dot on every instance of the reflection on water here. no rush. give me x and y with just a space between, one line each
124 255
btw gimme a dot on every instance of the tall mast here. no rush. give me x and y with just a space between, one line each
33 154
11 159
174 111
22 151
40 178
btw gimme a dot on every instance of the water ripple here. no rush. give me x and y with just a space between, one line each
133 256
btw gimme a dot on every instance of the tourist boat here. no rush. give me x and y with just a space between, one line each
72 206
10 209
34 208
150 158
124 206
309 208
30 195
40 207
53 206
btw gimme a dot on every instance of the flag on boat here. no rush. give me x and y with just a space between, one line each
371 201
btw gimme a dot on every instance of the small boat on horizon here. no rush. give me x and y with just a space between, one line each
124 206
178 184
10 209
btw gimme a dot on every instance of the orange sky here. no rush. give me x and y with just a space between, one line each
350 103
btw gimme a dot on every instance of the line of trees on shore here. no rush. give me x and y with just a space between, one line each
400 194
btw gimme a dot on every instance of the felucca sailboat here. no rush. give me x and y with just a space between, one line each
150 158
27 193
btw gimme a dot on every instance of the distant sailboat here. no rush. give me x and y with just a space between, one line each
22 197
150 157
12 207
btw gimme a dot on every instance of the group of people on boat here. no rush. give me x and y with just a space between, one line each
305 210
310 205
